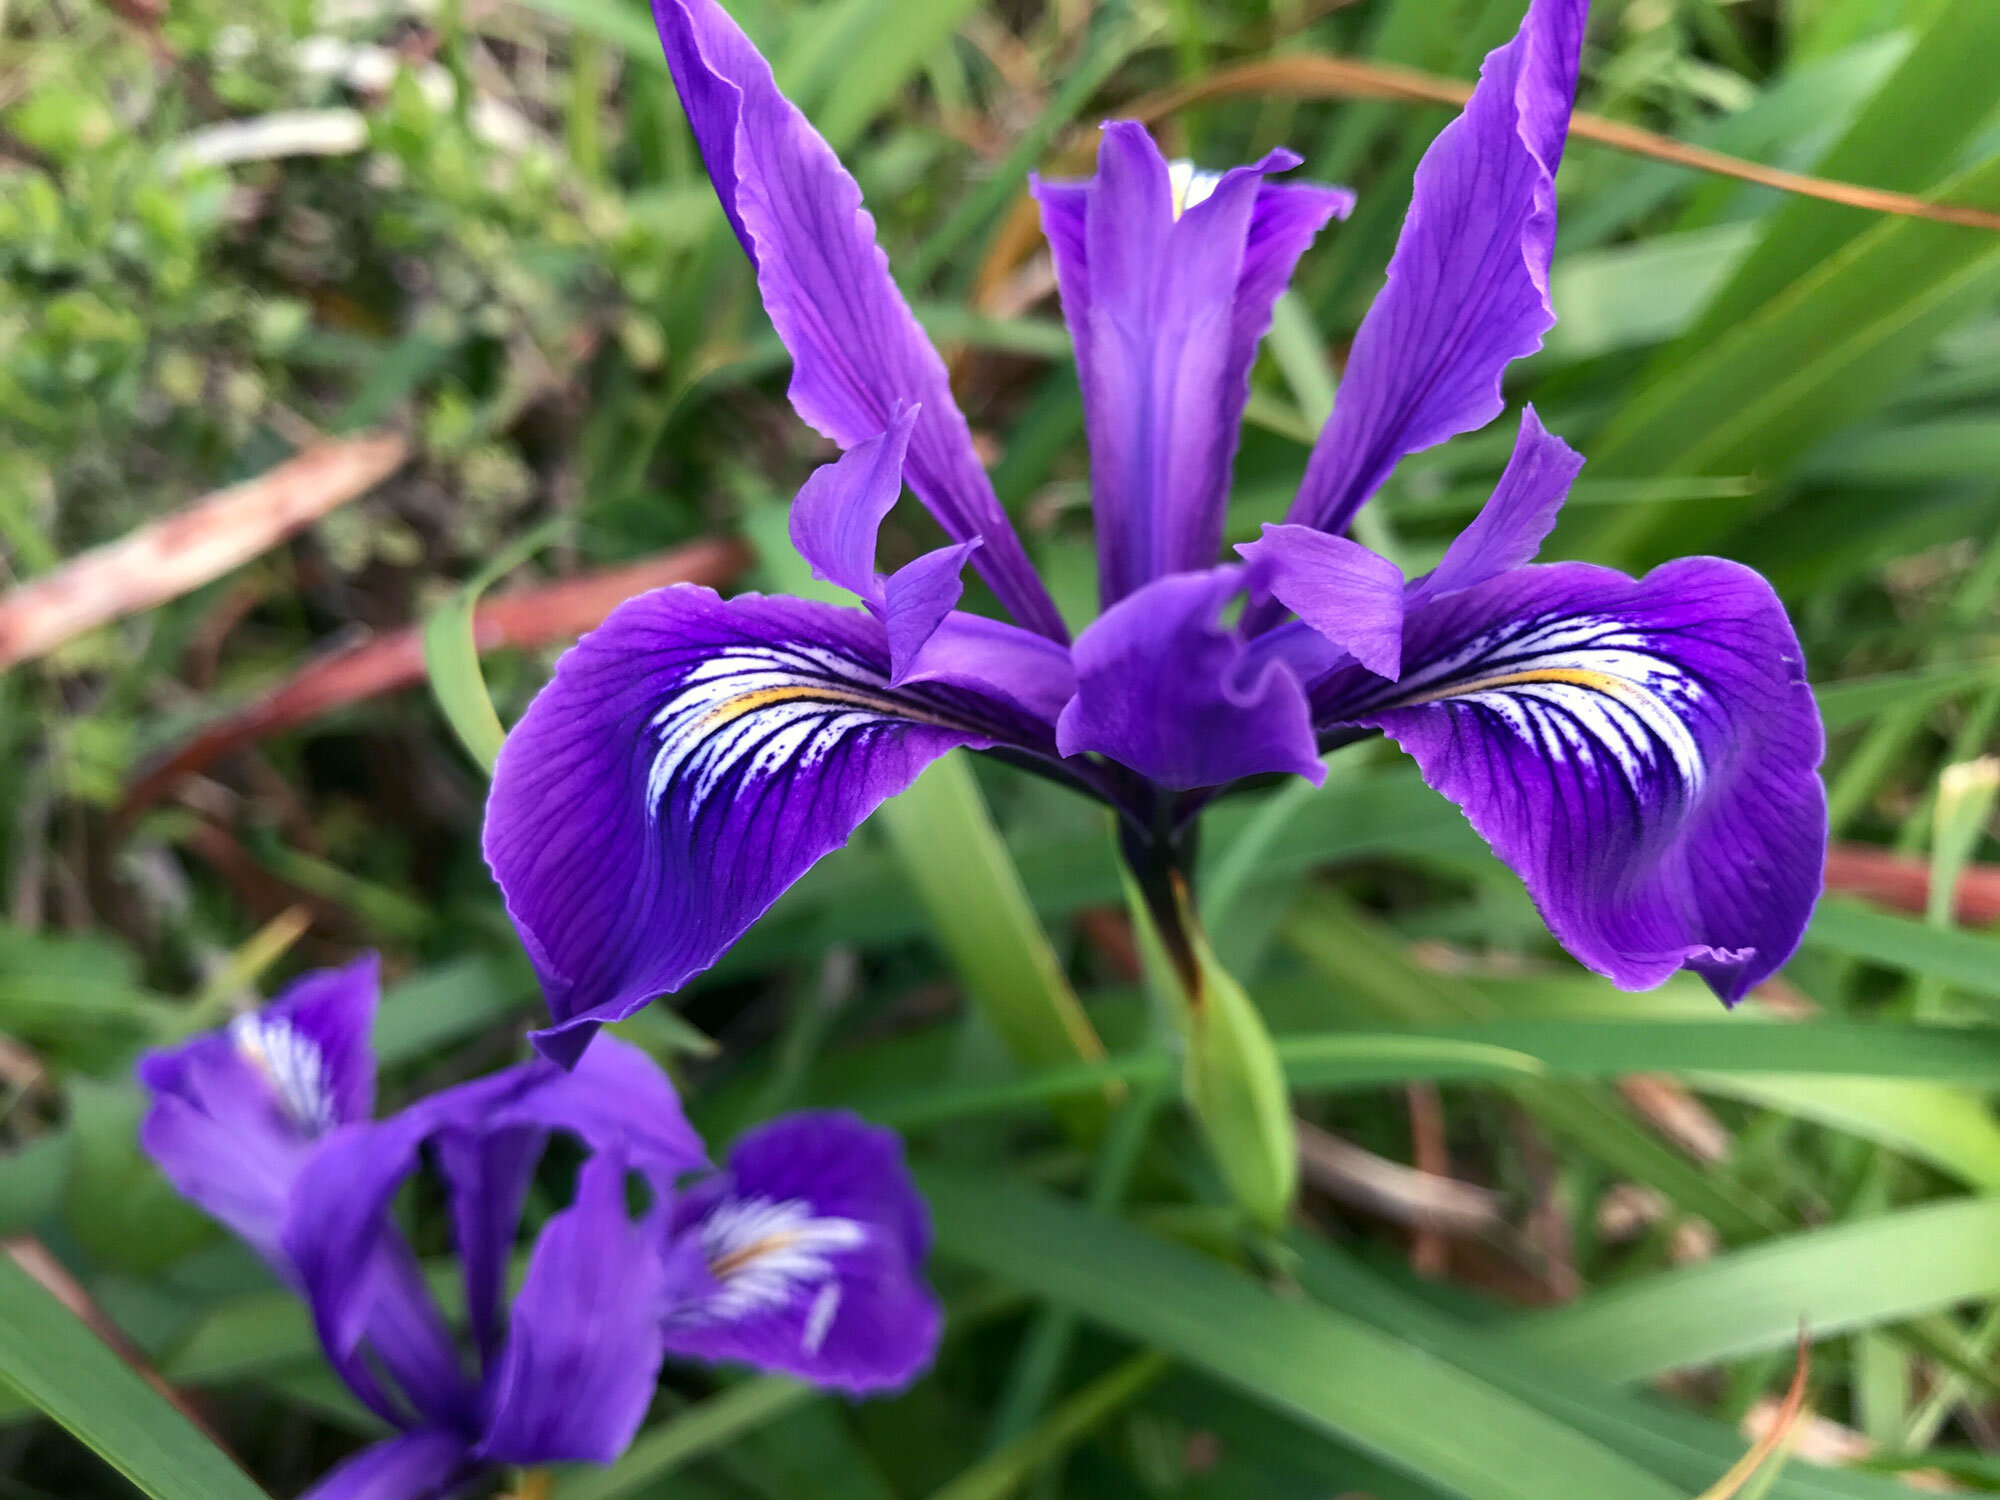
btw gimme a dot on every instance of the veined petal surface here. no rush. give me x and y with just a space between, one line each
1467 291
583 1342
690 760
806 1258
1642 752
857 351
1167 280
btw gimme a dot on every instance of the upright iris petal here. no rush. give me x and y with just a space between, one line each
857 351
805 1257
1468 286
1167 279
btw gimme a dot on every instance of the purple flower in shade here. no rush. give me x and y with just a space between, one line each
804 1255
236 1112
1643 752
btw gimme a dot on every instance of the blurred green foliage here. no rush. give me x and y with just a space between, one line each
225 231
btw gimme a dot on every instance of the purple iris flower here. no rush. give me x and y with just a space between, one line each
803 1256
1643 752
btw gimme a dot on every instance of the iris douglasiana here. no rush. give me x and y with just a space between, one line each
1642 752
802 1255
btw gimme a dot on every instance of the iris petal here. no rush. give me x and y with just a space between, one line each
810 1253
691 759
1167 280
1467 291
1642 753
857 351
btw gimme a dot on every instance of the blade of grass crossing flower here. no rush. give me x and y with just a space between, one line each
979 910
1230 1073
1328 1371
67 1373
1860 1274
1005 1470
451 652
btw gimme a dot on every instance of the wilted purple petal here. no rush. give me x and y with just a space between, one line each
1641 752
691 759
1348 594
813 1242
1509 528
235 1112
583 1341
856 348
1162 686
428 1464
1167 285
1467 292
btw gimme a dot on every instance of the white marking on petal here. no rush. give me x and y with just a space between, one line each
1190 184
767 1254
755 711
1574 686
292 1064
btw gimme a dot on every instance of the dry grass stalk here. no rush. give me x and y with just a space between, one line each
179 553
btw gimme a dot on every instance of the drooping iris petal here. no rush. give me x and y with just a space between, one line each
690 760
1164 687
1641 752
424 1465
1509 528
235 1112
856 348
583 1340
1348 594
1167 285
811 1246
1467 292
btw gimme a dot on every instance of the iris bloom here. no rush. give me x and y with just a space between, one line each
802 1256
1641 751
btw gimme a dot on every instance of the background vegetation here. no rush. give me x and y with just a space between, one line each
1556 1241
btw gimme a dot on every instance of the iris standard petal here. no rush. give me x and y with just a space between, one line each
1348 594
1510 527
424 1465
1164 687
235 1112
811 1247
856 348
583 1340
1641 752
1467 292
690 760
1167 293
